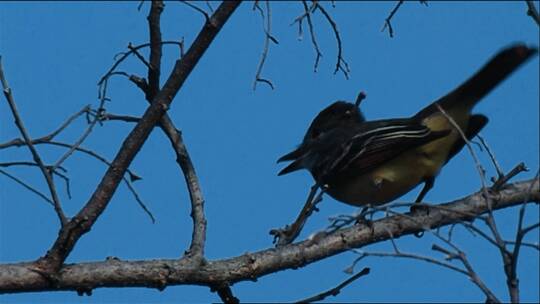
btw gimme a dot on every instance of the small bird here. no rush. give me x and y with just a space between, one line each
374 162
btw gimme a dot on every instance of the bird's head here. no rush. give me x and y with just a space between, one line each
340 114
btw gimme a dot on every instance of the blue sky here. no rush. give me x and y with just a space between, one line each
54 53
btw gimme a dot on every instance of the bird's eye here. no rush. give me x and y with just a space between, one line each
348 112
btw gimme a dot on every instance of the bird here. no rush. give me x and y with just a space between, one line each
370 163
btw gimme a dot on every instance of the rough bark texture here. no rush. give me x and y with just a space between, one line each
83 277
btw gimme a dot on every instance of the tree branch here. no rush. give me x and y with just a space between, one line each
154 71
267 38
83 221
196 249
19 277
387 23
341 64
19 123
336 290
532 11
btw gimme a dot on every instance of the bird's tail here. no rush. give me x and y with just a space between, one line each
486 79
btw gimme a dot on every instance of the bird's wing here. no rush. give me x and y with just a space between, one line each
359 149
381 141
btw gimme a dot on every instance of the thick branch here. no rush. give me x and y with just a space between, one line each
84 220
160 273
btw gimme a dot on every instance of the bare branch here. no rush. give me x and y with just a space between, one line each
209 6
139 6
387 23
196 249
18 277
139 55
198 9
87 216
532 11
525 244
75 145
54 172
154 67
289 233
476 279
307 14
267 38
124 56
341 64
336 290
479 167
115 117
506 177
18 122
364 254
139 200
28 187
500 173
510 259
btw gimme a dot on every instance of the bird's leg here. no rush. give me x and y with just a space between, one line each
418 206
428 184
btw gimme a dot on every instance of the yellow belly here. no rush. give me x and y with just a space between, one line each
401 174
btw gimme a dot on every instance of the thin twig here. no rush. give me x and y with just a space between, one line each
307 14
532 11
462 257
512 259
20 142
341 64
54 172
132 176
289 233
139 6
387 23
75 145
35 155
209 6
139 55
500 173
479 167
525 244
401 254
336 290
491 298
506 177
28 187
139 200
267 38
98 202
115 117
125 55
198 9
478 231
